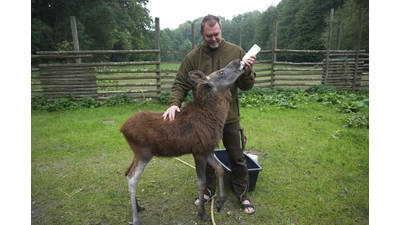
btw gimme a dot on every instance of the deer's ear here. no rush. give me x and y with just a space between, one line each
197 77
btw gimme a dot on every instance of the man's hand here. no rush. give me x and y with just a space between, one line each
249 65
170 113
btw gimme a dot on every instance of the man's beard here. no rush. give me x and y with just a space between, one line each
215 45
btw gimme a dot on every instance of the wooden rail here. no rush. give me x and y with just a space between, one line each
142 79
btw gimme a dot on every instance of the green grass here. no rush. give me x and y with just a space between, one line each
315 171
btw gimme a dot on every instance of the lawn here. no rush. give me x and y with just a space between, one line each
314 170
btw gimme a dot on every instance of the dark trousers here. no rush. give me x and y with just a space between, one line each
239 174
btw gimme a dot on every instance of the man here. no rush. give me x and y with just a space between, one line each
213 54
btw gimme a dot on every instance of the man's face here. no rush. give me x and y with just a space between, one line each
211 35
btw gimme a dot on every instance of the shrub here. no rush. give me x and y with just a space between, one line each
164 97
319 89
359 120
89 102
38 102
118 99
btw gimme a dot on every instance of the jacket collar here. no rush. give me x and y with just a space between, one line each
208 50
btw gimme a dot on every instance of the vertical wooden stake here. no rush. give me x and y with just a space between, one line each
358 50
158 55
274 45
240 37
75 36
328 48
193 39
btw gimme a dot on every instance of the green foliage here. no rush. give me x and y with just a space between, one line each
89 102
186 45
256 97
263 33
164 97
69 102
118 99
356 120
318 89
110 24
346 25
41 36
344 101
353 105
64 46
38 102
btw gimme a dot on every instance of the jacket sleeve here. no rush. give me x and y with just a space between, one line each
246 83
181 86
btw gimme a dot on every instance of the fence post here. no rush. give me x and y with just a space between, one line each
274 45
240 36
158 55
358 50
328 47
193 39
75 40
338 34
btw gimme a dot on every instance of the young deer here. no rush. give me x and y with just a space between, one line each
197 129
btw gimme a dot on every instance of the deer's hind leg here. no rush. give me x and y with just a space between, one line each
133 174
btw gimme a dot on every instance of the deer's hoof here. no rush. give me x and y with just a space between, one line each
220 203
206 218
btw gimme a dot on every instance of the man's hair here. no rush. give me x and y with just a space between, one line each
211 20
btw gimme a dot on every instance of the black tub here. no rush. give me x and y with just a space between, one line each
253 168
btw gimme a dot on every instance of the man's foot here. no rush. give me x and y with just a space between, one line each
206 199
248 207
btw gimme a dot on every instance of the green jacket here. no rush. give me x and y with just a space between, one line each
207 60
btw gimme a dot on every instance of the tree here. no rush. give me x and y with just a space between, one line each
230 31
347 17
102 24
41 36
165 44
287 10
248 25
264 30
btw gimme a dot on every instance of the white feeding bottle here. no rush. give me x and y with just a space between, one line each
252 52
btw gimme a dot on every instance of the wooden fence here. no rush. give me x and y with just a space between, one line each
147 79
96 79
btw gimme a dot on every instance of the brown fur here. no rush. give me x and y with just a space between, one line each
197 129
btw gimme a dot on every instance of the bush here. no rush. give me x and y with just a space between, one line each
89 102
358 120
118 99
69 102
39 102
164 97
